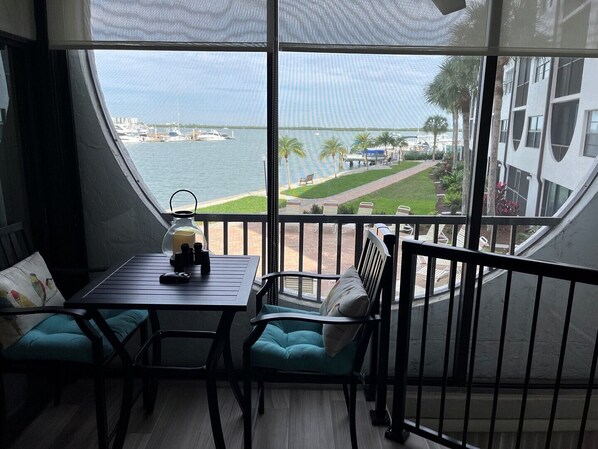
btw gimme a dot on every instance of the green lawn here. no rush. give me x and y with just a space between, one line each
417 192
346 182
246 205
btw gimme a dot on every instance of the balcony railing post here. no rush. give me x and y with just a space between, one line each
475 212
396 431
379 416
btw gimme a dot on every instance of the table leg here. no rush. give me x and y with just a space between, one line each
219 345
149 402
230 370
127 394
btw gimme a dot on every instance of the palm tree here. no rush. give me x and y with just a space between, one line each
287 146
435 124
387 139
400 142
513 18
457 83
330 148
441 92
362 142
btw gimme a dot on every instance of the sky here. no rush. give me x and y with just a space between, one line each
229 89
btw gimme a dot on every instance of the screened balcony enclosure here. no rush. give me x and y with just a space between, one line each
288 119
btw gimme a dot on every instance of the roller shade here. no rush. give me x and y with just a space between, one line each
17 18
520 27
156 23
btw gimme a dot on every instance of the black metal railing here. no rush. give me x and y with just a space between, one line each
534 328
331 243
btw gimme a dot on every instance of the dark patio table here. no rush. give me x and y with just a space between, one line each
134 284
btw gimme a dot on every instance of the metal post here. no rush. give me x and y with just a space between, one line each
476 197
396 431
272 154
379 416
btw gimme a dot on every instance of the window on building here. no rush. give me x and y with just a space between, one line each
555 196
522 82
591 143
508 82
504 127
518 123
562 126
542 68
534 131
568 81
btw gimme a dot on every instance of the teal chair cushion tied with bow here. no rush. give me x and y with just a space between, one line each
293 345
39 333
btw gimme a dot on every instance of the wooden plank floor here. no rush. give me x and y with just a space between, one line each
293 419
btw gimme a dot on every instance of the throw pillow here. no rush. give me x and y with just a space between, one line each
25 284
347 298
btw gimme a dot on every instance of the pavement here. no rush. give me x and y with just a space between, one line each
360 191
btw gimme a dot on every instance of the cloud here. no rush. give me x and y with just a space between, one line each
318 90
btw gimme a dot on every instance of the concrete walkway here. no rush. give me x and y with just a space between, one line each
357 192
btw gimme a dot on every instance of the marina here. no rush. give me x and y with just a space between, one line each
212 168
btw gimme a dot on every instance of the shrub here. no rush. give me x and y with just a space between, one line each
315 209
453 200
346 209
444 168
452 181
504 206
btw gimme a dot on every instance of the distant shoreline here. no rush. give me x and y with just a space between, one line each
299 128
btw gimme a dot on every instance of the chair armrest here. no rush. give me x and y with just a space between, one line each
271 277
301 274
75 313
264 319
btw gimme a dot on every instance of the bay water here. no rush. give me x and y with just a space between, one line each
221 169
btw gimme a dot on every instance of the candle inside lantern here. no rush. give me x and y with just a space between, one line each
180 237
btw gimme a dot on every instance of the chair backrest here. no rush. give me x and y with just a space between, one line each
430 233
373 265
461 237
461 240
365 208
375 271
404 210
14 245
330 208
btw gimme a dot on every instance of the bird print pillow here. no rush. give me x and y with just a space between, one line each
25 284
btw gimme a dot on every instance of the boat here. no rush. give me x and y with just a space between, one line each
127 134
210 135
174 135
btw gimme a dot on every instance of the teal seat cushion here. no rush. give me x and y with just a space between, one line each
58 337
297 346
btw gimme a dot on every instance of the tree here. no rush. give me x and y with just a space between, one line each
287 146
331 148
362 142
515 17
443 92
401 143
435 124
456 84
387 139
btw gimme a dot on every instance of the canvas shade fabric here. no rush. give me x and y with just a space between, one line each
410 26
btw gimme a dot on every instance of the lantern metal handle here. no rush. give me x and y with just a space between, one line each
183 190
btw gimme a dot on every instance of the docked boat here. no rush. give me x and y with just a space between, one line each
210 135
174 135
127 134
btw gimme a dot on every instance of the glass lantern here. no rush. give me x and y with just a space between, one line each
183 229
